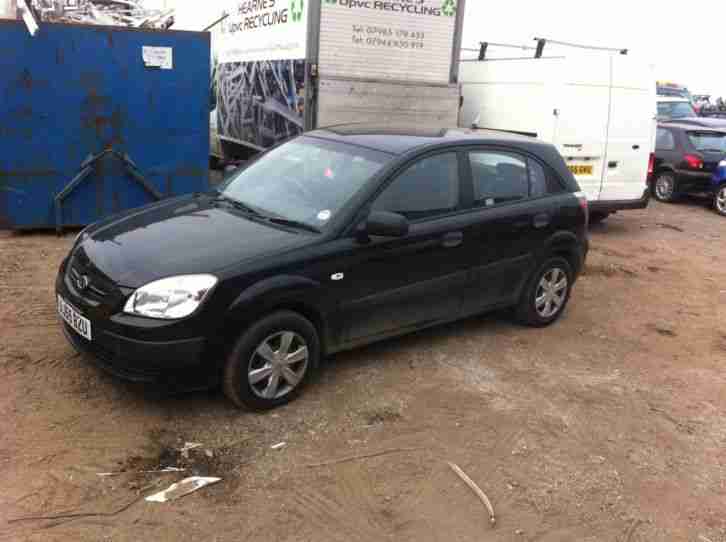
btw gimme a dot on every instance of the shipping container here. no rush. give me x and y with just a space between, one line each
95 120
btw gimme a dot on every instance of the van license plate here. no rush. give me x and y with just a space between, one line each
74 319
580 170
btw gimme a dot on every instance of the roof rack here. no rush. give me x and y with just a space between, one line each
541 42
539 50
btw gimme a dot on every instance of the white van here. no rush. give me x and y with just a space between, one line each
598 109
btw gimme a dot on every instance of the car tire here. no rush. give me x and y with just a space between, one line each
664 187
543 302
598 217
260 374
719 200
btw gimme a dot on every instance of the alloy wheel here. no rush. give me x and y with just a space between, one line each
278 365
664 187
551 293
721 200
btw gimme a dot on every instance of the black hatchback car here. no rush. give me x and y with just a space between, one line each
687 156
338 238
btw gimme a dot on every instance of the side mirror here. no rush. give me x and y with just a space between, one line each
385 224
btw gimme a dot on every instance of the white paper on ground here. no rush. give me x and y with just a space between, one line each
185 487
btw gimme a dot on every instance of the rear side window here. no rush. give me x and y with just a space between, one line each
502 178
542 181
498 178
664 140
427 189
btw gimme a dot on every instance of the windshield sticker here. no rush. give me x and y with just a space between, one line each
324 216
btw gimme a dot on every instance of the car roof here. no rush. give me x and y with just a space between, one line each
715 124
673 99
403 138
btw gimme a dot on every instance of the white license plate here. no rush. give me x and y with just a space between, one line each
74 318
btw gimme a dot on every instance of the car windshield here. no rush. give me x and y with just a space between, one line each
307 180
676 110
708 141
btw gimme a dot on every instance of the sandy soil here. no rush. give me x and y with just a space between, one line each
610 425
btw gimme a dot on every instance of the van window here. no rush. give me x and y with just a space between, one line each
664 140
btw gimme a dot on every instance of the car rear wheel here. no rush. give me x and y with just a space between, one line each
272 361
546 294
719 201
664 187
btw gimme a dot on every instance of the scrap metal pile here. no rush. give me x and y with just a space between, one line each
260 102
103 12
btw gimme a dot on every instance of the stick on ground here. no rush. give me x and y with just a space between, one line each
84 514
364 456
475 488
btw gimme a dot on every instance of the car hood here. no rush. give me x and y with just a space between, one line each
192 234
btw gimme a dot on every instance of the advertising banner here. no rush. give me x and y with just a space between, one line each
398 40
264 30
260 71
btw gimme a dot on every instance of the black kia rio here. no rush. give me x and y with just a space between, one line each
338 238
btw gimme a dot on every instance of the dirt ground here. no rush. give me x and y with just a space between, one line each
611 425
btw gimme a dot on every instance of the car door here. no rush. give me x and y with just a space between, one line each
516 212
397 284
666 152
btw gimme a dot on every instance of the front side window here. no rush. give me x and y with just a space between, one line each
427 189
308 180
664 140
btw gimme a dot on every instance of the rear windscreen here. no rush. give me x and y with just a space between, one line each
676 110
708 141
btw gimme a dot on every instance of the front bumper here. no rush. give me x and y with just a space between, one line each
175 364
612 206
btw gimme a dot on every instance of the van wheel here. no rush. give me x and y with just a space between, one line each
664 187
597 217
546 295
272 361
719 201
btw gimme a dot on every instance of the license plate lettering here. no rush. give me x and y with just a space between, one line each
580 169
74 319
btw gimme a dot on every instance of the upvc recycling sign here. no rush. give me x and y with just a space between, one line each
264 30
397 40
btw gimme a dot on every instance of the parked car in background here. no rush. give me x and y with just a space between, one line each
674 90
672 108
690 159
338 238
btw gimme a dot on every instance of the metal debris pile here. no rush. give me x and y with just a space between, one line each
103 12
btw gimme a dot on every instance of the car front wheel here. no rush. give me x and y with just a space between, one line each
719 201
664 187
272 361
546 294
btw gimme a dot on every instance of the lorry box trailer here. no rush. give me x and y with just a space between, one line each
284 67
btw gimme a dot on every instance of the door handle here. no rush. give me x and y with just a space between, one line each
452 240
541 220
636 147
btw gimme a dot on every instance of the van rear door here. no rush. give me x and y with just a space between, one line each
582 119
631 136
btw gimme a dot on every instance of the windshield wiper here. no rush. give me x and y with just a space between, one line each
239 205
294 224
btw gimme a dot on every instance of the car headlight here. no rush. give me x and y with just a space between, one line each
170 298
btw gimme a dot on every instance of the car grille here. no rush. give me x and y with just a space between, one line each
76 275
